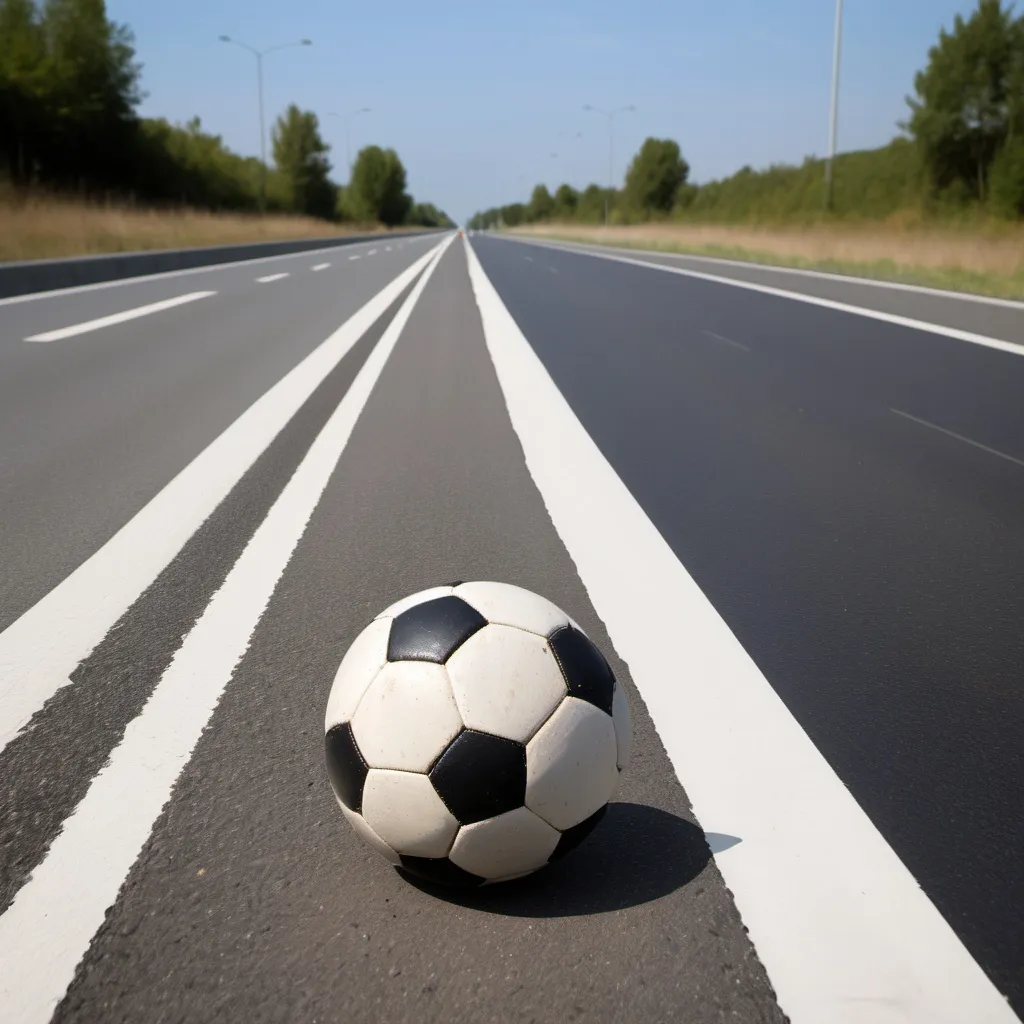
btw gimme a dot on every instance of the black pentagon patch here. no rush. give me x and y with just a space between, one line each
439 870
480 776
587 675
433 630
572 837
345 766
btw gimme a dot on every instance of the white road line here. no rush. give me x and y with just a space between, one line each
728 341
321 266
271 277
529 259
355 257
49 926
959 437
40 650
821 275
372 252
118 318
387 248
121 282
814 300
842 927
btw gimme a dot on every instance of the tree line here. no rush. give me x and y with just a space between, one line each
69 91
962 149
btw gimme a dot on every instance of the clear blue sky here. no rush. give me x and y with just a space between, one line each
475 97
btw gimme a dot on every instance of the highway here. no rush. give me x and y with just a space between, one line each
789 508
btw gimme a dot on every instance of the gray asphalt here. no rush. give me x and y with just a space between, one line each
869 564
1003 319
292 918
94 425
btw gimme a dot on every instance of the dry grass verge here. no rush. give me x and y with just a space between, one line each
40 228
983 260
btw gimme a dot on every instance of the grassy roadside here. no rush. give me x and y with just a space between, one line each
980 261
47 227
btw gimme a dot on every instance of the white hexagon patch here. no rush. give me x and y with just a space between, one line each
506 682
406 717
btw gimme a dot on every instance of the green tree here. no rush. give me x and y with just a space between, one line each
590 207
378 187
566 201
542 206
300 155
970 97
90 65
655 176
22 86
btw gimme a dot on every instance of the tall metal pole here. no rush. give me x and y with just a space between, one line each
834 112
259 55
611 166
263 136
610 114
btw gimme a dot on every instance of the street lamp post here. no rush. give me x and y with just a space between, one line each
834 112
259 55
610 114
347 120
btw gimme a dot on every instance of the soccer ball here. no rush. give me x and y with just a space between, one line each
474 733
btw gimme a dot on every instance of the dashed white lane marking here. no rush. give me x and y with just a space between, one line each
811 300
272 277
48 927
959 437
844 930
321 266
372 252
727 341
118 318
40 650
387 248
355 257
529 259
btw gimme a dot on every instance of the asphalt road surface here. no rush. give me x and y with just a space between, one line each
789 509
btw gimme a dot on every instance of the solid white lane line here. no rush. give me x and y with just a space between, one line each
354 257
118 318
321 266
959 437
821 275
40 650
814 300
271 277
728 341
842 927
49 926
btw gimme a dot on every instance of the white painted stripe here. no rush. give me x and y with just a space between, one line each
40 650
821 275
271 277
49 926
321 266
372 252
387 248
55 293
354 257
959 437
728 341
118 318
843 929
814 300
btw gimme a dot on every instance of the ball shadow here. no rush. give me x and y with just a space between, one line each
637 854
